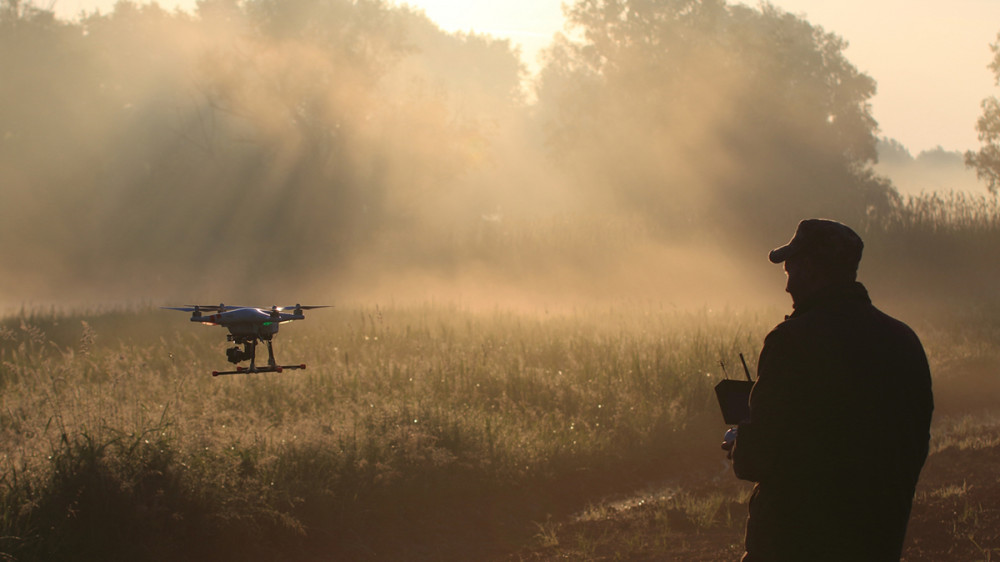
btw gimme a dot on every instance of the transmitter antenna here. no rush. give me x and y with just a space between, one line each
746 370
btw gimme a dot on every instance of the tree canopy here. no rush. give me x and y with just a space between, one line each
250 135
695 111
986 160
261 135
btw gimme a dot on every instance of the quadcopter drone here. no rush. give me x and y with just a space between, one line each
247 326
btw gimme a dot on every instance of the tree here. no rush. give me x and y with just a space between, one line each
154 147
986 160
700 113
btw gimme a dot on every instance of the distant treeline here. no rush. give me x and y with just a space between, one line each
142 150
933 170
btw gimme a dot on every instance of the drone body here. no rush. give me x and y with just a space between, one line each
247 326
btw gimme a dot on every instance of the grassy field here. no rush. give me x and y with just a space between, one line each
426 432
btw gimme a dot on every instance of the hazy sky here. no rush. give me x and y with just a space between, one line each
929 57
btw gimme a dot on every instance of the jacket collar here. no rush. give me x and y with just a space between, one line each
840 294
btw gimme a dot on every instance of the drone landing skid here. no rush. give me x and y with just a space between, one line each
251 370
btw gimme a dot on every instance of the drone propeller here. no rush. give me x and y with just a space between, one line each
300 307
225 307
203 307
211 307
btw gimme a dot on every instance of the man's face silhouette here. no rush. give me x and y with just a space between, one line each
804 277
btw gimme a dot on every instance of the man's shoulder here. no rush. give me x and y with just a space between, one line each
895 326
857 316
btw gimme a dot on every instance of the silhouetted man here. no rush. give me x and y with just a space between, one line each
839 416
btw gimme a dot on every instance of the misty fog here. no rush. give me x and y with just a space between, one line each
327 150
935 170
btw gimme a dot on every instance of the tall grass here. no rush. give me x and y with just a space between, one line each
940 212
940 249
419 431
406 419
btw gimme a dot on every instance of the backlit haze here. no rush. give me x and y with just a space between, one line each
482 152
928 57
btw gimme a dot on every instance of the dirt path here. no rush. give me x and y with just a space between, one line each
956 516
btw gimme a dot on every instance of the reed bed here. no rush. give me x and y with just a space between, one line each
116 437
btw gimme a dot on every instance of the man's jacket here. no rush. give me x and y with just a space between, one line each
838 432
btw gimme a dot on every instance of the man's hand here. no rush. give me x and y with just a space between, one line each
728 440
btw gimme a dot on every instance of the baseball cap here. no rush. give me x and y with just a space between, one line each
824 238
